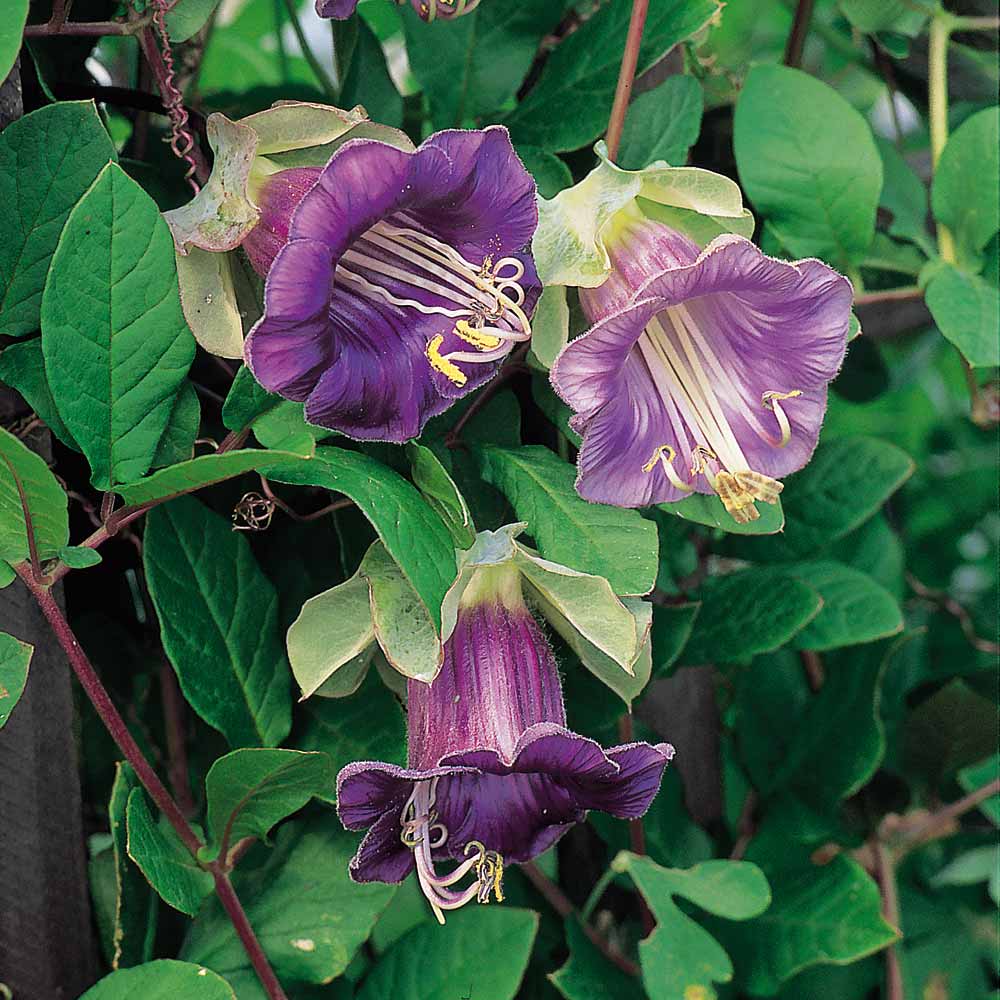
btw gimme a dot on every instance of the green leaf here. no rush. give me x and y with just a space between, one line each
48 159
412 533
587 974
456 64
905 196
22 366
440 491
606 633
188 17
368 81
680 957
403 627
14 659
871 16
981 864
135 911
247 399
250 790
549 327
550 172
809 163
368 726
787 734
333 630
177 443
487 946
855 608
115 342
163 859
963 195
672 626
618 544
704 509
967 311
46 500
979 775
308 914
749 612
579 76
164 979
848 480
819 914
186 477
662 124
11 29
79 556
206 282
219 622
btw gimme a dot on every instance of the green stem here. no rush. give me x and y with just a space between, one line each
326 84
600 888
941 28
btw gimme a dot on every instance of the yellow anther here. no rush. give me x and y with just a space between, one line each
735 498
478 338
768 398
665 451
665 455
759 486
700 458
449 369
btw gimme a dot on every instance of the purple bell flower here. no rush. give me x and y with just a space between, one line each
427 9
705 370
494 775
397 282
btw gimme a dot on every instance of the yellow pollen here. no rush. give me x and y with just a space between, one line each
478 338
768 398
449 369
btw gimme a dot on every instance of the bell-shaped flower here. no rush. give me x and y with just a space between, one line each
397 281
706 369
428 10
494 775
225 211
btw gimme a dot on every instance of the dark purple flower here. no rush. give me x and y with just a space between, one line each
427 9
494 774
397 281
704 371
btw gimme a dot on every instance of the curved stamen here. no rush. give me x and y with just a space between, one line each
769 400
418 819
665 455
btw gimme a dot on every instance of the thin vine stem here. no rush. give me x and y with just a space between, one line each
150 780
626 76
942 26
796 43
323 78
562 904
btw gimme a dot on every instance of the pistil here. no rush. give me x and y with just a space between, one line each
422 833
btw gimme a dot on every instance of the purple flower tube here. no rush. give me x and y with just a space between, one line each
494 775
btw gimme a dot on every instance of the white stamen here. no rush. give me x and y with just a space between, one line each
770 401
418 820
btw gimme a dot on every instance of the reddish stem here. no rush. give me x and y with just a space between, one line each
636 831
173 722
230 901
110 716
561 903
90 29
626 75
797 36
890 910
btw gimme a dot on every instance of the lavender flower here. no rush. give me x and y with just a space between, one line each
397 281
427 9
705 370
494 775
